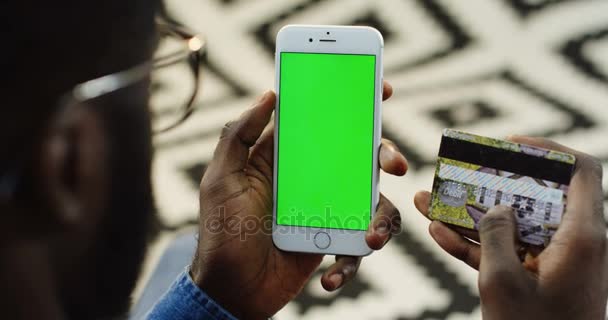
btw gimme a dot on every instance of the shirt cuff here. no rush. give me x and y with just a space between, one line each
185 301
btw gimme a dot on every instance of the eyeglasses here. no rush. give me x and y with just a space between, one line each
175 76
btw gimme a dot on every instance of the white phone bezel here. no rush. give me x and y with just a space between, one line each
349 40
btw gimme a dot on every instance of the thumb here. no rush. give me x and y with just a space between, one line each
500 267
232 151
497 234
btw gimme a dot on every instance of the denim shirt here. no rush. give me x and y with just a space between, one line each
184 301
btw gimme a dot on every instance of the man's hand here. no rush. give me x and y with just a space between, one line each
236 262
567 280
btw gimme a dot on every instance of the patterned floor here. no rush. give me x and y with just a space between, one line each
492 67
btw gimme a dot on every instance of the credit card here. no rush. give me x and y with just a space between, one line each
476 173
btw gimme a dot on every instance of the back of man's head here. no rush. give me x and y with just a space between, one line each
75 191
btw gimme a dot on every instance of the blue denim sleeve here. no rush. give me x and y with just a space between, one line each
185 301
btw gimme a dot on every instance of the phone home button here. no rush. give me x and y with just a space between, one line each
322 240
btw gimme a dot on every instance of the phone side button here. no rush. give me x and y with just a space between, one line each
322 240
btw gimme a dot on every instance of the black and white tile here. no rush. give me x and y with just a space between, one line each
493 67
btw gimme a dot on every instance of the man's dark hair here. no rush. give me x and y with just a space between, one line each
53 45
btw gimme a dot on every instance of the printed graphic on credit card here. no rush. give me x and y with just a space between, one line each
476 173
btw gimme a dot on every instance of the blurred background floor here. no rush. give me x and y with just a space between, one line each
492 67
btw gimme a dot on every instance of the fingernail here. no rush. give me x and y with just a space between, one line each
264 96
348 270
381 230
433 227
336 280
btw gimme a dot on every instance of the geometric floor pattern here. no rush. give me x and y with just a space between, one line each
492 67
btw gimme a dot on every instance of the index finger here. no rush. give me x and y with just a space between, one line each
585 196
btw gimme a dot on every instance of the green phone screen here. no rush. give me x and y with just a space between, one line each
325 140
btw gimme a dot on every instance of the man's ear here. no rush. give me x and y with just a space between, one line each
73 169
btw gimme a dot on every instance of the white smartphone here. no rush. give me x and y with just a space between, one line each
327 137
